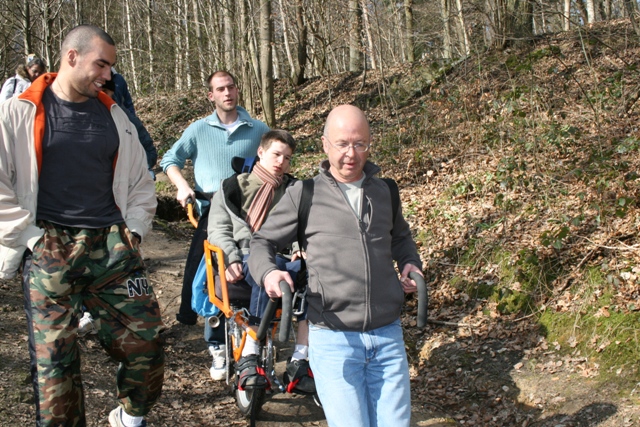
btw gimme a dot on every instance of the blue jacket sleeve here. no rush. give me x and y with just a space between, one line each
123 96
145 139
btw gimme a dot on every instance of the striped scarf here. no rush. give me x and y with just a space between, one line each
264 197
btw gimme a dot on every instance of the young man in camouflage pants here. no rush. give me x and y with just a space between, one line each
75 202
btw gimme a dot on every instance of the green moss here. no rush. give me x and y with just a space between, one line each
603 334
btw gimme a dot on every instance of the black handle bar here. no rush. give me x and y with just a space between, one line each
285 318
200 195
423 298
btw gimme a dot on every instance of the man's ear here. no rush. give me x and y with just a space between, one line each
324 144
72 56
210 97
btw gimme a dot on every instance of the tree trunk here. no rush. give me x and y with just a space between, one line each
48 20
26 25
150 41
130 45
285 39
187 44
591 12
583 11
105 16
566 17
445 13
632 10
228 35
77 12
266 64
244 56
409 37
462 31
178 49
302 45
367 29
355 31
196 23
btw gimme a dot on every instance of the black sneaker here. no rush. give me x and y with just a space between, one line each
298 377
189 319
249 374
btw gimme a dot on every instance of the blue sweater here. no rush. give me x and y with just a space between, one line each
210 147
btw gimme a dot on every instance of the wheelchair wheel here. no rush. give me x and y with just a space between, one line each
250 402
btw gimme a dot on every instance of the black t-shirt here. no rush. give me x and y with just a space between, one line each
78 151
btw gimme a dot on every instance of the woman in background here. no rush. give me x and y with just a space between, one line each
25 74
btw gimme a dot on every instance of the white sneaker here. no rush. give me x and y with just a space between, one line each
86 325
218 369
115 419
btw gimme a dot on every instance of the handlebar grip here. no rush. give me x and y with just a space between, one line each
190 214
287 309
423 299
266 319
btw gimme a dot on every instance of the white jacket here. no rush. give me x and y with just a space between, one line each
22 121
14 86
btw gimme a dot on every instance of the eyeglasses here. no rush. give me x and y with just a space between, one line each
343 147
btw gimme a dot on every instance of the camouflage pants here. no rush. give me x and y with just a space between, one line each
102 270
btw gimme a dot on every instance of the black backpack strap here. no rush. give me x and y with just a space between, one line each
303 211
395 196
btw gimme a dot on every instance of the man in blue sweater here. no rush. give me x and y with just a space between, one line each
210 144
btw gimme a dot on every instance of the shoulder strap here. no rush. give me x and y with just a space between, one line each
303 210
307 195
15 83
395 196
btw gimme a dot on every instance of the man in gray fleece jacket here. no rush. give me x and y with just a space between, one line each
355 296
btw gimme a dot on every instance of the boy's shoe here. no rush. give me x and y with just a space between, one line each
187 319
115 418
86 325
298 377
250 375
218 369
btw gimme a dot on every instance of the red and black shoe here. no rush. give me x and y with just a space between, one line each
250 375
298 377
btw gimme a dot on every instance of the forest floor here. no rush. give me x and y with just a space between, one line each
472 373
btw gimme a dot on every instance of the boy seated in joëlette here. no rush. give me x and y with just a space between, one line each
239 209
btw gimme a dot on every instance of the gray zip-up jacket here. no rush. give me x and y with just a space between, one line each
353 284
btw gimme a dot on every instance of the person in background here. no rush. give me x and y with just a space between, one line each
25 74
355 297
122 94
109 88
77 202
210 144
237 210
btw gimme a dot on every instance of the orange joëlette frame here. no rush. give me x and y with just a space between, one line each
224 303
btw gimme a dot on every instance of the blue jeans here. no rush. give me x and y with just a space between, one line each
259 298
362 378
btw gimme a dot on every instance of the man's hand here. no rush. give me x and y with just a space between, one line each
185 193
298 255
233 272
409 285
272 282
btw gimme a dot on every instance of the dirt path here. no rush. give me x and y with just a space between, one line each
503 381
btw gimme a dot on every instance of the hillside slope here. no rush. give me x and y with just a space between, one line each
519 175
